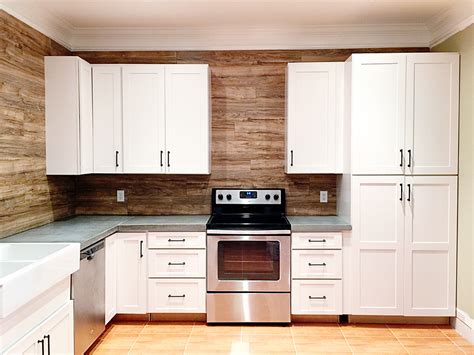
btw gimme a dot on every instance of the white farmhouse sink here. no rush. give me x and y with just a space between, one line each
28 269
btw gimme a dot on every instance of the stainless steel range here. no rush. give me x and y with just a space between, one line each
248 257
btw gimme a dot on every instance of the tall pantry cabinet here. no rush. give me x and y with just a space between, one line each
404 165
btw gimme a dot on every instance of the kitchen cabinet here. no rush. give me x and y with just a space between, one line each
177 295
187 119
314 115
143 118
110 277
378 113
68 112
53 336
131 278
404 113
107 113
432 113
404 245
430 245
377 242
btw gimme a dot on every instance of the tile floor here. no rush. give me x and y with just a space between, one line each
300 338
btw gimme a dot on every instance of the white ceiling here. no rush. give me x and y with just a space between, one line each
219 24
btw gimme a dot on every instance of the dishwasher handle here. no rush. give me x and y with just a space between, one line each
89 252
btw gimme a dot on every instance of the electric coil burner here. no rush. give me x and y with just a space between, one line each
248 257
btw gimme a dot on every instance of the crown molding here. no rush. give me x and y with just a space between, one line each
239 38
450 21
42 21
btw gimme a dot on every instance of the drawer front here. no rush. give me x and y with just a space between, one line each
176 263
176 240
316 297
316 240
176 296
314 264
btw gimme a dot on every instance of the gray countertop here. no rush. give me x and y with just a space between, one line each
88 230
318 224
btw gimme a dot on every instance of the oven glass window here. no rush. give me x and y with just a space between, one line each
248 260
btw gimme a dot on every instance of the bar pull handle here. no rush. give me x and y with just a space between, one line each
183 263
176 296
177 240
401 157
319 264
409 158
116 159
169 159
409 192
401 192
48 338
317 297
317 240
291 158
42 346
161 158
141 248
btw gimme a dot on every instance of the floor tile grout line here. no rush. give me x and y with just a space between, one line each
138 336
189 338
293 339
344 336
451 340
398 340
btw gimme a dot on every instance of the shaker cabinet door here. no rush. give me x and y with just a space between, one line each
432 113
378 113
143 118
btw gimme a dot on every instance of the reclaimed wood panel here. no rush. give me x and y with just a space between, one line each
248 137
28 197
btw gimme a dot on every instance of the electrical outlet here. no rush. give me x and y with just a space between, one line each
120 195
323 196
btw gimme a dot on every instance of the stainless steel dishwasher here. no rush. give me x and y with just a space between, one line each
88 293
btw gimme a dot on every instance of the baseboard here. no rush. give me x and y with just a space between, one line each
314 319
464 325
398 319
178 317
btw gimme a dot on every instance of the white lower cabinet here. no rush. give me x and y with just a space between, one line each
404 245
316 297
177 263
317 264
54 336
110 277
177 295
131 273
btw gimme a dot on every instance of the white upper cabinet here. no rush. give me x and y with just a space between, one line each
68 99
314 94
143 118
430 245
432 113
187 119
107 112
378 113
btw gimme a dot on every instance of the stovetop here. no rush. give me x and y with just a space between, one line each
247 221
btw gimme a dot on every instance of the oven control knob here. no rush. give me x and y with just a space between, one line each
267 197
228 197
220 197
276 197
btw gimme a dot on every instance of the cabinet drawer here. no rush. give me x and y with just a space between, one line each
176 296
316 297
176 240
325 264
316 240
177 263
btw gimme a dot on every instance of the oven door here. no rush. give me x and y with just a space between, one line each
248 263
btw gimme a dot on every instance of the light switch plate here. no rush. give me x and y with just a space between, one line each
323 196
120 195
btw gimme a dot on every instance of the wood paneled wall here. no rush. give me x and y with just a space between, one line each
248 137
28 197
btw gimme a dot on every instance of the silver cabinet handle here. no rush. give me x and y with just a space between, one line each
317 240
170 263
320 264
317 297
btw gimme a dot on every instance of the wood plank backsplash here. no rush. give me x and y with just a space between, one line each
28 197
248 137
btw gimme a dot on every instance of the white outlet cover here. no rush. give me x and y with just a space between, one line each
120 195
323 196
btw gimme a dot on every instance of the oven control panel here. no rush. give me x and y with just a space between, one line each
248 197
